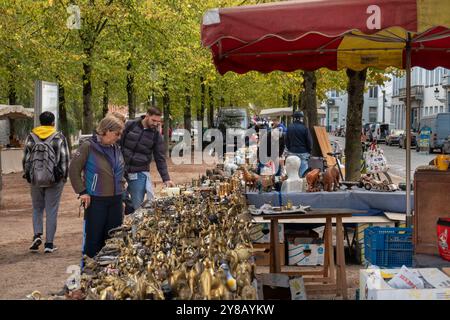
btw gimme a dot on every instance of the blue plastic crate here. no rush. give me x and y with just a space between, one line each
388 247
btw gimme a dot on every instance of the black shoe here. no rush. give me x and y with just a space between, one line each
37 241
49 248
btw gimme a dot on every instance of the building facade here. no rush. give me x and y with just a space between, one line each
374 109
429 95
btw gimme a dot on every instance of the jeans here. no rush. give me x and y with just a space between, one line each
304 159
138 187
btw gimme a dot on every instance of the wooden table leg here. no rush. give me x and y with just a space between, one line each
275 266
329 250
342 285
326 257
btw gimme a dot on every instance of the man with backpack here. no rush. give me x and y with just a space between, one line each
45 166
140 142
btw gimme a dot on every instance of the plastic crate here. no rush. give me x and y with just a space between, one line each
388 247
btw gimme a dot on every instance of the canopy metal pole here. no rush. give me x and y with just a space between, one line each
408 132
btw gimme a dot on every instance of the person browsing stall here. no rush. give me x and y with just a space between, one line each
96 173
140 143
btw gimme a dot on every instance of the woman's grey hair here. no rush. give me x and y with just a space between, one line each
109 123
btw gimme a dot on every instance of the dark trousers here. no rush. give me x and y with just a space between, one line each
104 214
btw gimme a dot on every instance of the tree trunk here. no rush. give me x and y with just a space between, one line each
222 102
309 107
211 108
289 100
353 149
105 98
63 121
201 116
187 110
88 118
166 106
12 92
153 99
130 91
294 102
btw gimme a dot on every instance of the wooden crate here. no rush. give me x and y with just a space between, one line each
431 202
261 252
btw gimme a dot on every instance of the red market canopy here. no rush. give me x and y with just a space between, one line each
335 34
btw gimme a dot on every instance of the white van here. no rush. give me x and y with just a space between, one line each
379 131
439 124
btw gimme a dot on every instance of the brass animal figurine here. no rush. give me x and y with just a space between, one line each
313 179
330 179
251 179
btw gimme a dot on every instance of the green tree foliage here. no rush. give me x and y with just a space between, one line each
135 53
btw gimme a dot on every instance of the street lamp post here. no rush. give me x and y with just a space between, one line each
384 105
328 118
443 100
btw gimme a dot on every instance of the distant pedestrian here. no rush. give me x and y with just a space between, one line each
278 124
140 143
45 166
299 141
96 173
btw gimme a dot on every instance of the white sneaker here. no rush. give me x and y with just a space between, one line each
49 248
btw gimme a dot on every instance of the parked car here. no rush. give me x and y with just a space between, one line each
394 136
402 140
340 131
439 125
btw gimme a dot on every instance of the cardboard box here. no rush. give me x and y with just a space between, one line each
260 233
305 254
373 285
261 252
360 237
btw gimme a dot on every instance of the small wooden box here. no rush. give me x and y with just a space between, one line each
261 252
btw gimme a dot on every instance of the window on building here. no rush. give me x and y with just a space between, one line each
436 76
435 109
441 109
428 75
373 92
373 114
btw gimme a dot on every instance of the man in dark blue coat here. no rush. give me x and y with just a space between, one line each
299 141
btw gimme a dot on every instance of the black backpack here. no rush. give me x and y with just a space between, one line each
42 162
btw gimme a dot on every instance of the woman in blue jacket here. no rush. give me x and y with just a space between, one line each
101 187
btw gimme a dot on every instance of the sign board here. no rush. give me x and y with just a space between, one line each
45 99
424 138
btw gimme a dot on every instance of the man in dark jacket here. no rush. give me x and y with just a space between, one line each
46 196
140 142
299 141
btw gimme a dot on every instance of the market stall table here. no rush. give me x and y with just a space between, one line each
353 199
332 277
